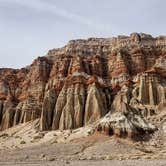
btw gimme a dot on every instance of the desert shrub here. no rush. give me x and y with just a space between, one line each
22 142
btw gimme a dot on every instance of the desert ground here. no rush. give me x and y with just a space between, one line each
26 145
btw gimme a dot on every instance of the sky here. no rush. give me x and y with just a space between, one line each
29 28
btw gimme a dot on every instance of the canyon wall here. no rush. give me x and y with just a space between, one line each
80 83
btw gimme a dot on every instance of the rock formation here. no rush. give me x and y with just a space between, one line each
122 77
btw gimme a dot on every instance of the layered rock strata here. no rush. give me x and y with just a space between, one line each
80 83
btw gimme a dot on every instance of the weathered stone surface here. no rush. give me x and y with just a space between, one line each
124 120
127 123
48 110
26 111
69 110
8 114
1 110
95 106
152 89
81 82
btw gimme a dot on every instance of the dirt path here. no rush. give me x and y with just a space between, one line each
91 163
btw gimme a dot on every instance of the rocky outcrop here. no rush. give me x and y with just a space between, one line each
152 89
95 106
69 109
26 111
77 106
7 114
124 120
129 124
83 81
48 110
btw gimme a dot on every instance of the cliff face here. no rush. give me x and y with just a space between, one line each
78 84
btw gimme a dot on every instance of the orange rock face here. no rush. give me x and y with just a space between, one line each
77 84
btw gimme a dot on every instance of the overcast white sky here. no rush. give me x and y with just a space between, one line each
28 28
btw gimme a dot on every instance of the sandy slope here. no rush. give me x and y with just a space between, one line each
26 145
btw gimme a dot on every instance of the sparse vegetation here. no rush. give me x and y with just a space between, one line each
108 157
54 142
50 158
17 136
22 142
42 155
4 135
38 137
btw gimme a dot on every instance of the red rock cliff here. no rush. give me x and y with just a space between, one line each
81 82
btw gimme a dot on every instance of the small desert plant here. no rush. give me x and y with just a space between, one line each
108 157
4 135
54 142
42 155
22 142
145 150
50 158
17 136
38 137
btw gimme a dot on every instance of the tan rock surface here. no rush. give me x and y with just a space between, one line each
81 82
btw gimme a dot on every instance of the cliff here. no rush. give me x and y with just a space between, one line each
78 84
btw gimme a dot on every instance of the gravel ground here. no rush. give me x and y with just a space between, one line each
91 163
94 150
